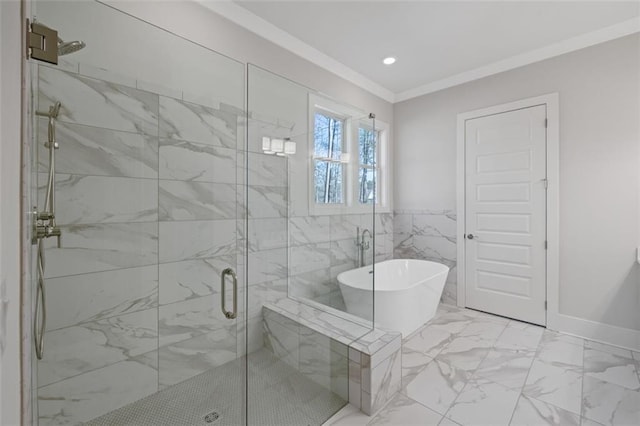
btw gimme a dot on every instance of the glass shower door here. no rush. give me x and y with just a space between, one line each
148 131
298 330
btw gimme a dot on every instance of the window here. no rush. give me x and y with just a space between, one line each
328 137
367 170
348 160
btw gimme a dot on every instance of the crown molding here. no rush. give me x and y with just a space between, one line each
257 25
602 35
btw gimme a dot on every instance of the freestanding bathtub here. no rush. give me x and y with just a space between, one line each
407 292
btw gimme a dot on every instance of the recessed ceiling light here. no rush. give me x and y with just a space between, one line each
389 60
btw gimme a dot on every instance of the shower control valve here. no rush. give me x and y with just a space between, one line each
44 227
44 215
46 231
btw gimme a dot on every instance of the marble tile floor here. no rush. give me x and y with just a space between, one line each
470 368
278 396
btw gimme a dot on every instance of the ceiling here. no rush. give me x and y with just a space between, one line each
434 41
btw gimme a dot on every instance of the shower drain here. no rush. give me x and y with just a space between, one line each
212 417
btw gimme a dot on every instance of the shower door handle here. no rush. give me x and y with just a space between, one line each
223 281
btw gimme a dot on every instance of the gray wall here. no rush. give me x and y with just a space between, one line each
599 167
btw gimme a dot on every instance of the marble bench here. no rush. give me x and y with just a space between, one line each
337 350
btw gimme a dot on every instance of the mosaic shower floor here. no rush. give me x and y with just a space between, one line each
278 395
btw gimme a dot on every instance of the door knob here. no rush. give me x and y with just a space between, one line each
470 236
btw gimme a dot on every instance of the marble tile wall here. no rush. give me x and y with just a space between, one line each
267 257
429 235
324 246
147 199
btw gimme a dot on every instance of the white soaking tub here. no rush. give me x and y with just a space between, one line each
407 292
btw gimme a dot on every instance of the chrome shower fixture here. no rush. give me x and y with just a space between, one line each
45 45
44 226
68 47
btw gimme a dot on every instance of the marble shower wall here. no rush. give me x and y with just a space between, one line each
267 236
324 246
147 201
428 235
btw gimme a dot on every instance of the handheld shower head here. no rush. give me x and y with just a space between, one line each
54 110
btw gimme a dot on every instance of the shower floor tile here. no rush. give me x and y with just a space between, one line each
276 392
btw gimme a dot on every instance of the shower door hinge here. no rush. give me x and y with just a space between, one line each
42 43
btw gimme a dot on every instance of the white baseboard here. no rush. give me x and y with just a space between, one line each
604 333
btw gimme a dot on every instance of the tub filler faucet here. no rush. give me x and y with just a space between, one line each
362 244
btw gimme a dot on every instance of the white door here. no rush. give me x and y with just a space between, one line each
505 228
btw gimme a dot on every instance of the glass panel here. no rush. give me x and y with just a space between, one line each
367 146
295 256
328 182
367 185
149 131
328 135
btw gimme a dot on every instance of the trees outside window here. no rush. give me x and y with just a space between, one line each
328 148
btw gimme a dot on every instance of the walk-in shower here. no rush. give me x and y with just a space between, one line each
176 231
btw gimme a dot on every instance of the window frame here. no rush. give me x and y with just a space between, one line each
353 120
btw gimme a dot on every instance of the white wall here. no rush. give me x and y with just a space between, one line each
599 167
10 212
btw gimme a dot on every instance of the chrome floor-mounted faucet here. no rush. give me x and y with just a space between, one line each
362 244
44 226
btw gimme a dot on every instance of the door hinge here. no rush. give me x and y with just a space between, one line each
42 43
546 244
545 305
545 181
546 123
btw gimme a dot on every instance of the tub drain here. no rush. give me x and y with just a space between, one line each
211 417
